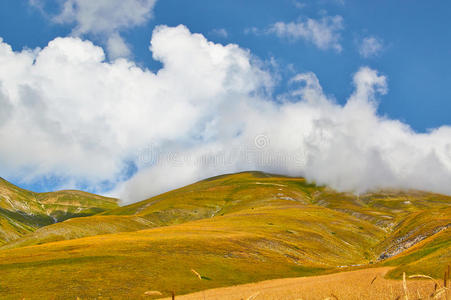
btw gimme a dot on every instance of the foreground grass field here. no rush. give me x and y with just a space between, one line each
367 284
231 229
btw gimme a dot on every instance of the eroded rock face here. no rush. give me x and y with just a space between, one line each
409 240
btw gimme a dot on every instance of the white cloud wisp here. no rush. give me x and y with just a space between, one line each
370 46
323 33
104 19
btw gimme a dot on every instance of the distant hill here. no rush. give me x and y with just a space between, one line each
23 211
230 229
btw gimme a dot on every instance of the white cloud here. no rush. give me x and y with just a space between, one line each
370 46
117 47
73 114
299 4
221 32
67 112
105 18
323 33
252 30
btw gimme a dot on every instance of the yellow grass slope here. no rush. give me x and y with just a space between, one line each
226 250
367 284
231 229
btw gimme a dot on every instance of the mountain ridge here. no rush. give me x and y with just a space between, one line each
231 229
23 211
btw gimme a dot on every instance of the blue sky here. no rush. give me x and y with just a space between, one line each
415 57
411 48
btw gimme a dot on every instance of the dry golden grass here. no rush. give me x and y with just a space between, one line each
236 229
361 284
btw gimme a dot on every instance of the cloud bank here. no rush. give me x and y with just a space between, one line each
67 112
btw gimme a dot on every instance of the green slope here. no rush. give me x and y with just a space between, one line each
431 256
232 229
204 199
249 245
22 211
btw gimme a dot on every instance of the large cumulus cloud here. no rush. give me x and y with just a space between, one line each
67 112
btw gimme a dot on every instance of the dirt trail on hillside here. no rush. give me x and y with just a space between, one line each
360 284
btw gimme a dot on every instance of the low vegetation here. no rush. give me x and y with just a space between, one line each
231 229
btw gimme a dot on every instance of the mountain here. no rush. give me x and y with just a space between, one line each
23 211
230 229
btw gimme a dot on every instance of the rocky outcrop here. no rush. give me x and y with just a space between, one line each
407 241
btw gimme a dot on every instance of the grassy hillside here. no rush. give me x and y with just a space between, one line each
62 205
231 229
80 227
22 211
429 256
